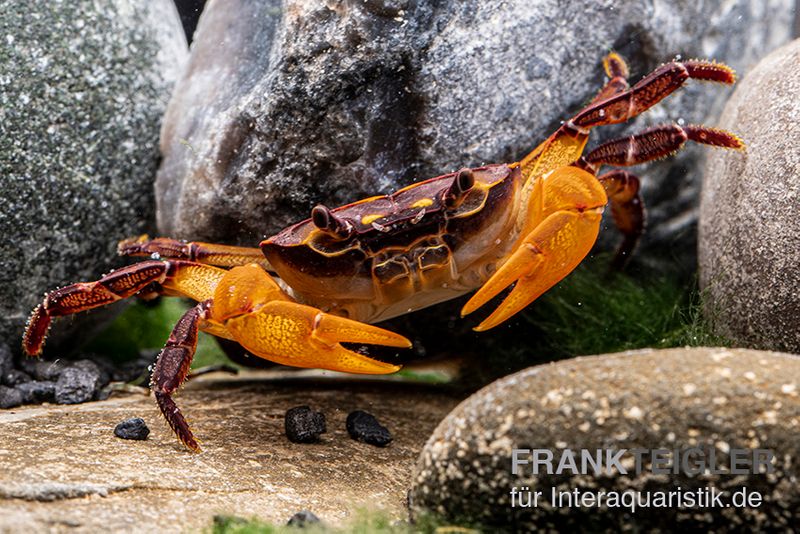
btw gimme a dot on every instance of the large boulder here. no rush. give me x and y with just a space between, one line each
749 246
83 86
297 103
718 400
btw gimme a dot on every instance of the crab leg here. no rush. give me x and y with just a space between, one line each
206 253
655 143
172 368
564 232
186 278
566 144
627 210
617 70
622 187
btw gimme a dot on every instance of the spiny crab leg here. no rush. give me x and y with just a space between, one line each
190 279
206 253
564 147
655 143
172 368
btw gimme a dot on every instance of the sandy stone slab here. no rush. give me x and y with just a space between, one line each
61 468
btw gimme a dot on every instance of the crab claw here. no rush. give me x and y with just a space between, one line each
302 336
544 257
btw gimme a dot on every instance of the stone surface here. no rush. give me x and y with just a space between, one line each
62 469
749 247
322 102
673 399
82 91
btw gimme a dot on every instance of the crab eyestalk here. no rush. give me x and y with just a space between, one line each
330 223
462 183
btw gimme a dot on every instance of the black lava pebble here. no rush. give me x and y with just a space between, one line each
10 398
303 425
363 426
132 428
37 391
303 519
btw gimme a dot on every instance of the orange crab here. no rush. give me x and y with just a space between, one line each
314 287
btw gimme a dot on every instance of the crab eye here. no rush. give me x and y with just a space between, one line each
333 225
462 183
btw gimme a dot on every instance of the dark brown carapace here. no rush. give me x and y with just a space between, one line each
320 283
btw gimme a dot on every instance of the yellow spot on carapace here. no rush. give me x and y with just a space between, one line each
422 203
367 219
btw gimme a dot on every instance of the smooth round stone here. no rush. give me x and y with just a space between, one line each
713 398
749 233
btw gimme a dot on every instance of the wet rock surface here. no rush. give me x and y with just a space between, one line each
61 468
749 248
82 91
716 399
307 102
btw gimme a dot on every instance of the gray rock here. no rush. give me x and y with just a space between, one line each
37 391
281 110
6 359
717 399
15 377
749 248
303 519
83 86
10 397
42 369
78 383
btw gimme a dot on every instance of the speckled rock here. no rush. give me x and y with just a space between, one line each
673 399
83 86
307 102
749 247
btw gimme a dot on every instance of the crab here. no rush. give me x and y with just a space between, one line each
309 294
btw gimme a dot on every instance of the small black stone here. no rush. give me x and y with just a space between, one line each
77 384
304 425
132 428
303 519
37 391
10 397
363 426
15 377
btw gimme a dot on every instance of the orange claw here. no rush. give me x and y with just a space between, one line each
301 336
572 208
